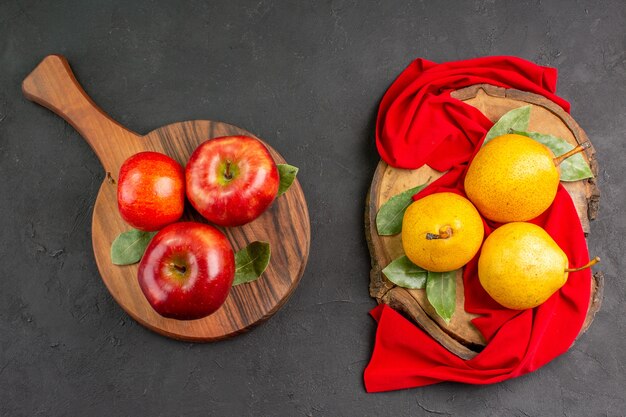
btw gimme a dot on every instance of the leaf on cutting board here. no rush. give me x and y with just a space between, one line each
389 217
575 167
128 247
287 175
251 261
441 293
406 274
516 119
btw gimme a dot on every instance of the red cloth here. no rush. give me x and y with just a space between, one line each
419 123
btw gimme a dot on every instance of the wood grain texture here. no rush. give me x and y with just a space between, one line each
459 335
285 224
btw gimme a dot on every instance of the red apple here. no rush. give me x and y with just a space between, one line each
187 270
150 191
231 180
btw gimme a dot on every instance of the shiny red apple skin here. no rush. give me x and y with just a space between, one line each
150 191
187 270
231 180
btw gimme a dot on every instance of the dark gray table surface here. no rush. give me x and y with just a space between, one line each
307 77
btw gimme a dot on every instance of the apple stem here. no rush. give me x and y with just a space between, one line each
444 233
578 149
589 264
180 268
228 174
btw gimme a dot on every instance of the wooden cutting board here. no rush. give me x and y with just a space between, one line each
285 225
459 335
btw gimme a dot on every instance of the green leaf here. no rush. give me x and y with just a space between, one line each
406 274
287 175
251 261
389 217
573 168
441 293
516 119
128 247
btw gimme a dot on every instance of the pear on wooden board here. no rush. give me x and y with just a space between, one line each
514 178
521 266
441 232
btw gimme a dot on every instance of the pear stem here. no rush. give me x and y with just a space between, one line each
578 149
589 264
444 233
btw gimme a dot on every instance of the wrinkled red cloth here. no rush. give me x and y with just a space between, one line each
420 123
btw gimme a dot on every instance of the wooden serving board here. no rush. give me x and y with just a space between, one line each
285 225
459 335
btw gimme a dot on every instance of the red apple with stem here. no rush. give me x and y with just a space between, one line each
150 191
231 180
187 270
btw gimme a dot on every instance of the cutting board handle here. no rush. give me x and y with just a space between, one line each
53 85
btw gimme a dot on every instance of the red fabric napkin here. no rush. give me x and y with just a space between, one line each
419 123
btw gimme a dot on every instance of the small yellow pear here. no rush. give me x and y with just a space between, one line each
521 266
441 232
512 178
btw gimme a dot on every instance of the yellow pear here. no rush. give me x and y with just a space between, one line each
514 178
441 232
521 266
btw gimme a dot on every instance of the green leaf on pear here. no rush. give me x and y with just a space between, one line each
389 217
516 119
128 247
574 168
287 175
251 262
406 274
441 293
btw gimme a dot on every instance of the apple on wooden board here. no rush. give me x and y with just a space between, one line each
150 191
231 180
187 270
